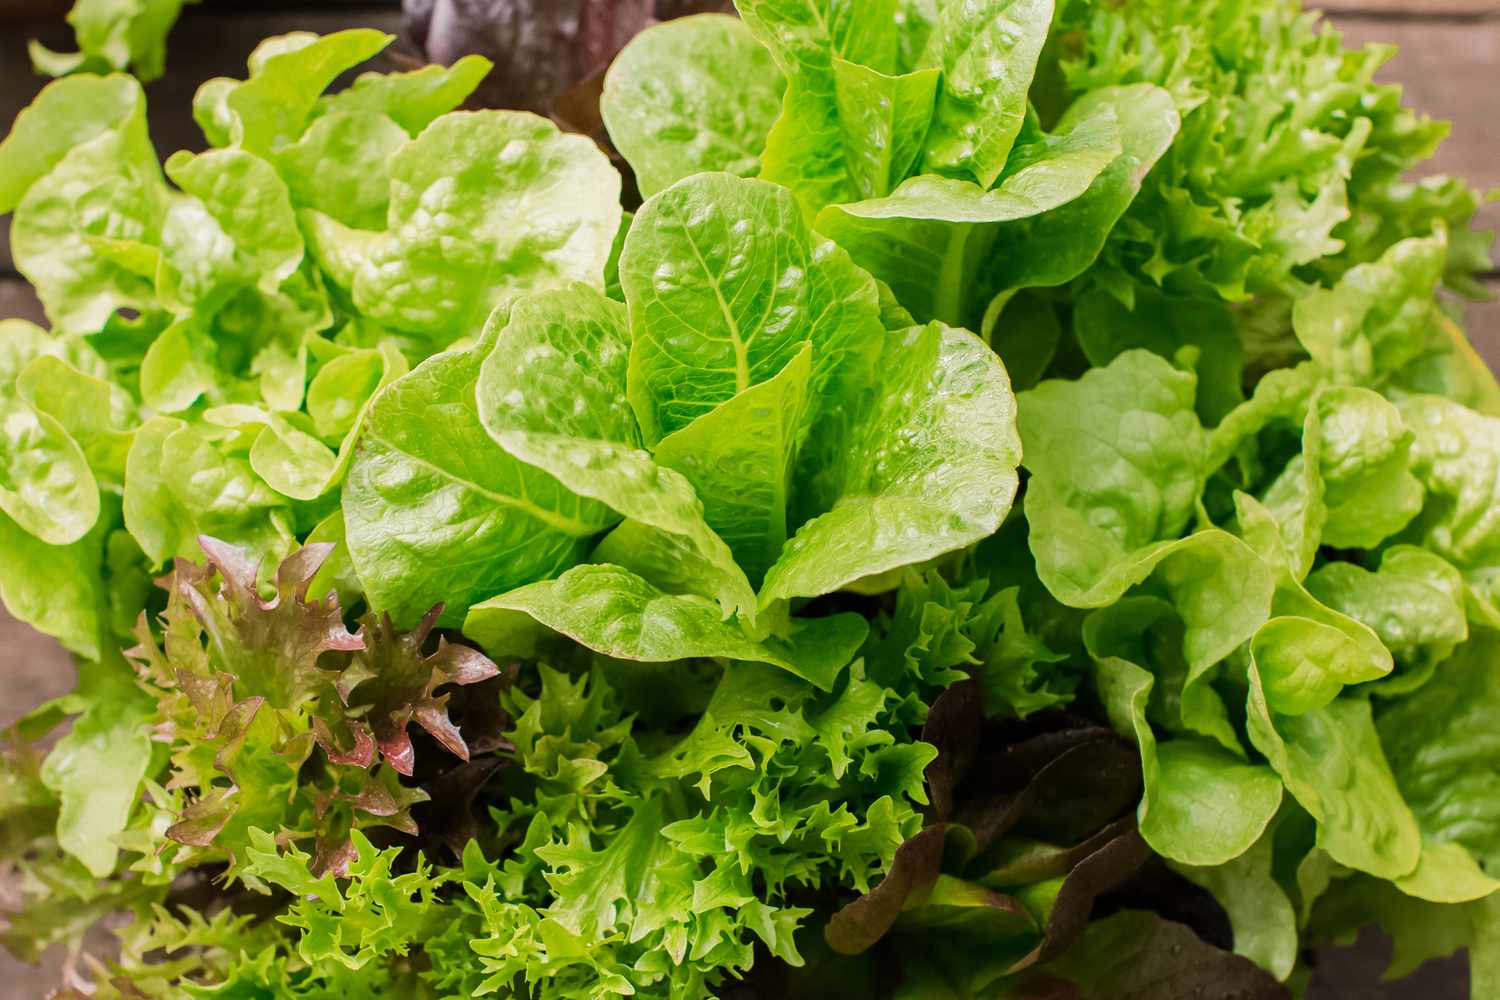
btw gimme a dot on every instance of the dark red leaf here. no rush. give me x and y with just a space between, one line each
917 864
389 684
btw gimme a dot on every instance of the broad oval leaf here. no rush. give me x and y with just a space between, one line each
929 466
725 284
46 485
611 610
688 96
484 206
1202 805
552 393
435 511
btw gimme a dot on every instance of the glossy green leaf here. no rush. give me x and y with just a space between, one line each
339 166
178 486
98 415
1331 761
1414 603
484 206
805 149
1307 652
552 393
615 612
1456 455
884 120
436 511
413 100
725 285
1117 463
107 187
932 238
66 114
97 768
288 73
1202 805
238 229
929 467
739 457
1380 314
290 461
988 53
46 485
56 589
1265 925
1364 456
1164 325
113 35
1052 248
1437 739
688 96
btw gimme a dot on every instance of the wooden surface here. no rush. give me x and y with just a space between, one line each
1449 61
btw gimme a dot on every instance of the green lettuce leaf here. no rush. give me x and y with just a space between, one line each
615 612
1203 804
988 53
287 76
519 207
673 113
747 285
933 237
97 767
929 468
435 510
1331 761
113 36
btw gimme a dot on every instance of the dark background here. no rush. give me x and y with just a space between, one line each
1449 61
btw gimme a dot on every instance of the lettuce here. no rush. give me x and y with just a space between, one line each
1017 464
114 35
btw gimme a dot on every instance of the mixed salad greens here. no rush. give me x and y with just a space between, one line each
1013 513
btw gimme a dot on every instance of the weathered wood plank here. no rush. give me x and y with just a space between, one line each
1484 327
18 300
1411 10
36 669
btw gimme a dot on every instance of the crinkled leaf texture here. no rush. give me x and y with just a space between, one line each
483 206
568 394
674 110
113 35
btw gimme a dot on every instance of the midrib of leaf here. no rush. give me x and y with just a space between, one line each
884 177
741 346
947 303
553 519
